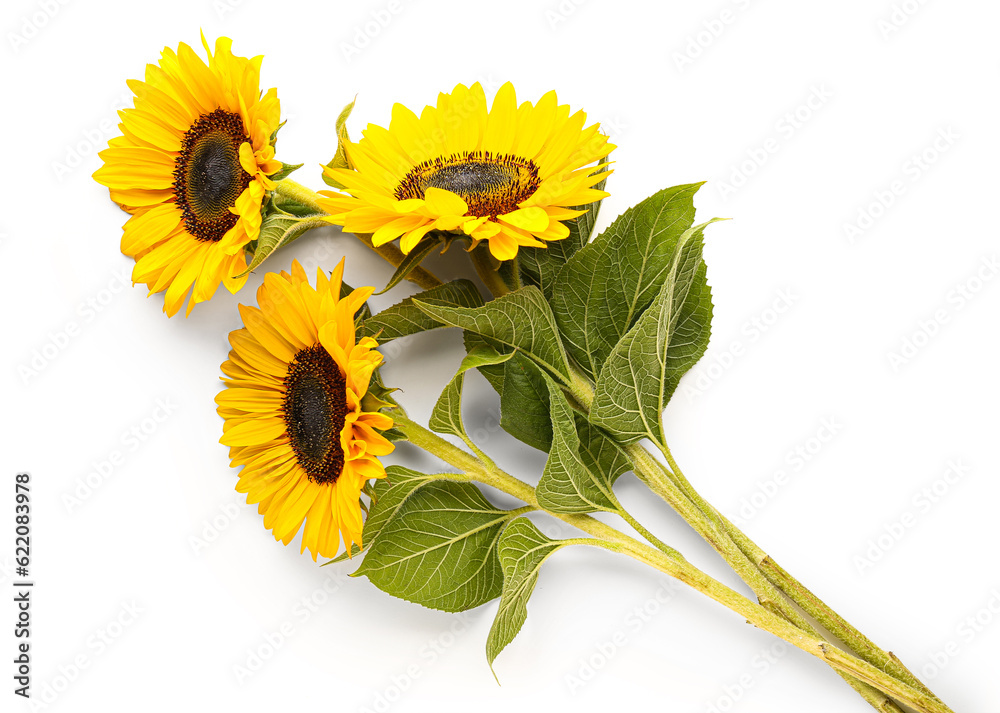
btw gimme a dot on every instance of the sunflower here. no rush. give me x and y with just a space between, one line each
509 175
192 167
295 379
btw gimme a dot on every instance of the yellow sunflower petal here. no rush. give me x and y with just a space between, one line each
412 238
531 219
295 467
503 246
442 202
466 168
253 432
190 116
149 228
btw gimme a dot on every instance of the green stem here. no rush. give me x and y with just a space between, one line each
673 564
389 252
510 272
759 572
649 536
488 273
795 590
648 469
768 581
850 667
580 389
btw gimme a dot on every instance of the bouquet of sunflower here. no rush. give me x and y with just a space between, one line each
584 339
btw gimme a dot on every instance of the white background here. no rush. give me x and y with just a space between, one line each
689 91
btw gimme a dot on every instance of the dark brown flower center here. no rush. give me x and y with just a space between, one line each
490 185
315 409
208 177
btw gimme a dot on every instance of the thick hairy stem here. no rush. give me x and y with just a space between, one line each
795 590
767 594
769 582
491 277
673 564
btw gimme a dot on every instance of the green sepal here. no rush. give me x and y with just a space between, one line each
285 171
394 435
279 202
379 396
340 159
376 400
412 259
274 134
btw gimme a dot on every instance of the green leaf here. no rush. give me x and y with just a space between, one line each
355 551
405 318
600 453
540 266
604 287
492 372
524 413
644 368
567 485
521 319
390 494
447 414
524 403
523 549
440 548
524 397
340 159
276 230
285 171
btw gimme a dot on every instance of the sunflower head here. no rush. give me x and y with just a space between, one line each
509 175
295 381
192 166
